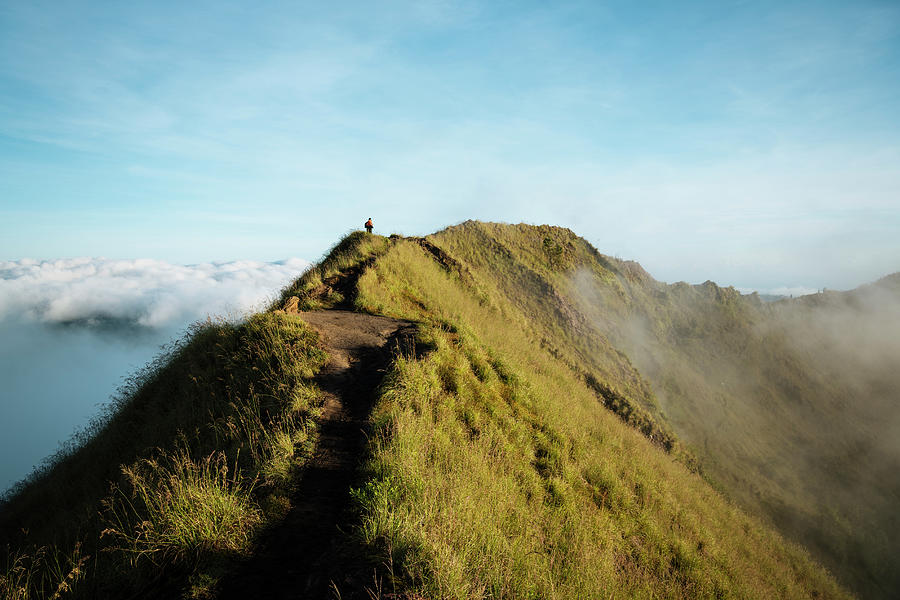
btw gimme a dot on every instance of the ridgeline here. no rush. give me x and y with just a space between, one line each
492 411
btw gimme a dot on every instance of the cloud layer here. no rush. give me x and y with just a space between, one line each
142 292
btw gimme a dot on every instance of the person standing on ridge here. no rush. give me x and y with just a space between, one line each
369 225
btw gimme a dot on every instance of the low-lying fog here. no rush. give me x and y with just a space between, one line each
71 331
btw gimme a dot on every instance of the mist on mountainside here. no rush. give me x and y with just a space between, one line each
856 333
851 341
792 406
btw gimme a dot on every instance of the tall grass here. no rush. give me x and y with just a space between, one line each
349 253
41 573
496 471
178 508
196 455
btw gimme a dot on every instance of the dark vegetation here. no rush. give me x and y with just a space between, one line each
196 454
565 427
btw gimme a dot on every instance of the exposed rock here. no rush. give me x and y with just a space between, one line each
292 305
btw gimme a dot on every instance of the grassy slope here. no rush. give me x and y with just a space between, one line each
193 458
196 456
790 427
495 468
497 473
763 403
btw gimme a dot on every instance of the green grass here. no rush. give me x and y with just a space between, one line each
177 508
543 439
194 458
496 472
349 253
785 407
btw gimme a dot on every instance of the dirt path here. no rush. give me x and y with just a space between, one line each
307 555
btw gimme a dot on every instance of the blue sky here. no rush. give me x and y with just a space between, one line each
753 143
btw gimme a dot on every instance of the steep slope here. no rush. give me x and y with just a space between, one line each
792 416
238 435
195 457
498 469
518 446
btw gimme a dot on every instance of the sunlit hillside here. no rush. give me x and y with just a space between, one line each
791 407
560 425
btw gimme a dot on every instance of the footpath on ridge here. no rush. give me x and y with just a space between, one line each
308 555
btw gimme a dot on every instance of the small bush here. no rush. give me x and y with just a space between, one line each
177 507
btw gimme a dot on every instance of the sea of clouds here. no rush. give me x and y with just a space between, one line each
72 330
142 292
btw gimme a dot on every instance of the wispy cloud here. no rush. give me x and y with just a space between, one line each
788 291
746 131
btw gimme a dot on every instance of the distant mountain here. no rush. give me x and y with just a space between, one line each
771 297
560 425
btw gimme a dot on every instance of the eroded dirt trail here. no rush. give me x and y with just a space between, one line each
306 555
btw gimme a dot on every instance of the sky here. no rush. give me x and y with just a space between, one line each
753 143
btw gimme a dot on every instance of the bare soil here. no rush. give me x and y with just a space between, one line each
311 554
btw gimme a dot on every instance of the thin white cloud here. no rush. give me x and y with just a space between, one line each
791 291
142 292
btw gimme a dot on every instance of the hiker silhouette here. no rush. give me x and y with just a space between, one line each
369 225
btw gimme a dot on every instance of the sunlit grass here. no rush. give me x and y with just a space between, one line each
497 473
513 453
182 507
349 252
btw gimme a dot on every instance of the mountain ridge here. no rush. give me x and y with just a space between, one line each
530 442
